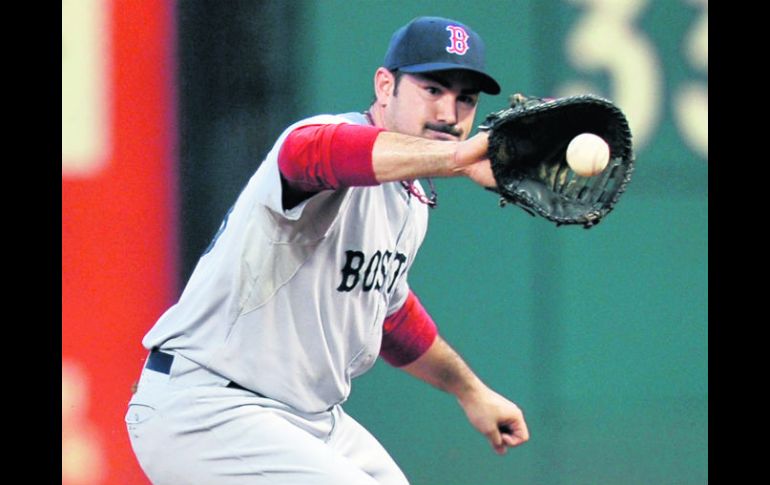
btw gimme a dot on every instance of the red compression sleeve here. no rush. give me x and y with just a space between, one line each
408 333
318 157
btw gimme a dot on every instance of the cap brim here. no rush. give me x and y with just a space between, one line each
486 83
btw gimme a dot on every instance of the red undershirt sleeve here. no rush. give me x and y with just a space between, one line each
408 333
321 157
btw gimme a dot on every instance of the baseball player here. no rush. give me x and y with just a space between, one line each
306 283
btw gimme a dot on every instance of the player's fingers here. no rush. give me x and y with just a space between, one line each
511 440
496 439
522 432
514 436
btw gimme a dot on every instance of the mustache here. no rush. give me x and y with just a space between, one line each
444 128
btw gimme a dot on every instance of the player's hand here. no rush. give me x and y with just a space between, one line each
473 162
497 418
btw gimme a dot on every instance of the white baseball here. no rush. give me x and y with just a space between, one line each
588 154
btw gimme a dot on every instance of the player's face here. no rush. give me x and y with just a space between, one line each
438 105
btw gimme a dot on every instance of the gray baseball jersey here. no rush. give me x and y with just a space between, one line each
290 303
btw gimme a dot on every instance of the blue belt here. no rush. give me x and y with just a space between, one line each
161 362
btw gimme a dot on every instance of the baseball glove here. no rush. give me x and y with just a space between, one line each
527 150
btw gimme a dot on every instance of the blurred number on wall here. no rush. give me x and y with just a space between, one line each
691 108
84 108
85 150
607 39
83 460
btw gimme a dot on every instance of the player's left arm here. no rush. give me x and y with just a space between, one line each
411 342
494 416
327 157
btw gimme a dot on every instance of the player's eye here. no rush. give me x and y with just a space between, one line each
467 99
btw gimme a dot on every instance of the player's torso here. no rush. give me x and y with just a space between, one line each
323 326
291 305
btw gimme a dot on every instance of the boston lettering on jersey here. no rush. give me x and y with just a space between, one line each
371 271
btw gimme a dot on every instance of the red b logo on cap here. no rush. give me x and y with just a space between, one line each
458 40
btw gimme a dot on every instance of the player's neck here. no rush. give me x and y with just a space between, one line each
375 116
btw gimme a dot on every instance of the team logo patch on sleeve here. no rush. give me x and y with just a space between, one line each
458 40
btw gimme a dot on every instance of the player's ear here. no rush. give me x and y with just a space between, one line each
384 85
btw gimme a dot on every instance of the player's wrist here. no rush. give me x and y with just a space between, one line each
470 152
470 392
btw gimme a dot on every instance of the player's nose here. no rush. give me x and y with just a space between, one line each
446 109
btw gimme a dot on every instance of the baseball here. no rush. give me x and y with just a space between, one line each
588 154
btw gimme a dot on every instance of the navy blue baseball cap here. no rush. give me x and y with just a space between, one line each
428 44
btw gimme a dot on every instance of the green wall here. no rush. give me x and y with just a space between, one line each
600 335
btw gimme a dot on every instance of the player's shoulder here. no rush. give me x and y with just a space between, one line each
323 119
329 119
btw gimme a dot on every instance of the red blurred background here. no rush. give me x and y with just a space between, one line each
118 232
